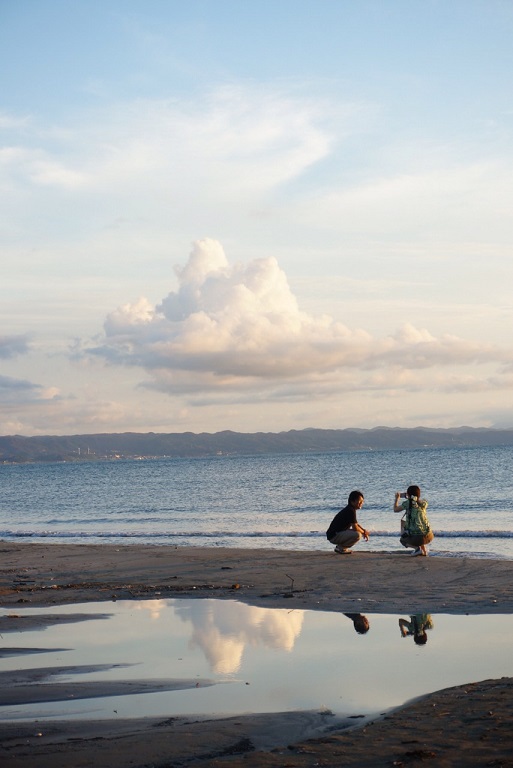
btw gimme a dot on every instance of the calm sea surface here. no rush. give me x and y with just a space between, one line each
276 501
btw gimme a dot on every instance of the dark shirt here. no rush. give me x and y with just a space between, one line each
342 521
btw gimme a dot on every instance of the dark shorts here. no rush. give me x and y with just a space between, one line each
416 541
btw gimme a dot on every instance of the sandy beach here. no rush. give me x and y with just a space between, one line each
468 725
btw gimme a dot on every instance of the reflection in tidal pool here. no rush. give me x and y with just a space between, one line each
258 659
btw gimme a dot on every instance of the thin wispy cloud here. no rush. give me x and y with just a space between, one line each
270 134
11 388
14 345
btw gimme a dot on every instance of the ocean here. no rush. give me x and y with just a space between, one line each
273 501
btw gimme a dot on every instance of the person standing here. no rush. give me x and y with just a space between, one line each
417 531
345 531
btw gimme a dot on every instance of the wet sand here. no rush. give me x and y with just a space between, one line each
468 725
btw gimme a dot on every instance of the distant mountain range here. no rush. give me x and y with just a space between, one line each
133 445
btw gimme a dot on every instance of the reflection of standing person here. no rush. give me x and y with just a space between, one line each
417 532
417 627
360 622
345 530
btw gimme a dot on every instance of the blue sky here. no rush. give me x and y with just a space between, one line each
255 216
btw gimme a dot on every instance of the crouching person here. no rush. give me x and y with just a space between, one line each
345 531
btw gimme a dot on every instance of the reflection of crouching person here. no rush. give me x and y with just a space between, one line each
360 622
345 530
417 627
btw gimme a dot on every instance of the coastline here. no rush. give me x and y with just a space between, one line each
37 575
45 574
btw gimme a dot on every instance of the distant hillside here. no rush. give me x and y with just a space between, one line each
132 445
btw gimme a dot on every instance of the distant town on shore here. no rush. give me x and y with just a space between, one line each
17 449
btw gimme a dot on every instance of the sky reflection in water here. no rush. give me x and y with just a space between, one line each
264 660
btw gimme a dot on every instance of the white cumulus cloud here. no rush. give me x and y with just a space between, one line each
237 329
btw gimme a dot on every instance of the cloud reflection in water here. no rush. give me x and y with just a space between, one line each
223 633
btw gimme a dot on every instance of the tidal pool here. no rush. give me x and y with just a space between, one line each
235 658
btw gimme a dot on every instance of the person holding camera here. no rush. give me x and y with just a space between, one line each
417 531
